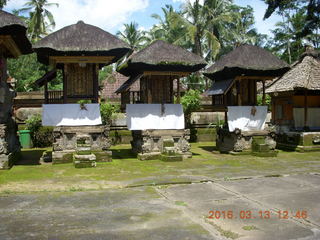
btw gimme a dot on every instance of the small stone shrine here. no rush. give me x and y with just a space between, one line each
79 50
296 104
13 43
234 91
157 124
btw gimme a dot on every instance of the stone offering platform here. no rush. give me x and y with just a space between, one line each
67 144
9 145
168 145
299 141
259 143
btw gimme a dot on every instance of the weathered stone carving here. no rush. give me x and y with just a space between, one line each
239 141
149 144
66 138
9 143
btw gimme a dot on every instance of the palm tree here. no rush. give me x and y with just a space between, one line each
241 30
167 29
41 19
203 24
286 38
133 36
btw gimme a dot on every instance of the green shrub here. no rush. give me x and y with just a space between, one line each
43 137
191 102
268 100
107 110
40 136
34 123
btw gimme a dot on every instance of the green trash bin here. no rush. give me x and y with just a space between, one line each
25 138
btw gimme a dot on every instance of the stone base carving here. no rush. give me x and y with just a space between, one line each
299 141
66 143
9 144
161 144
255 142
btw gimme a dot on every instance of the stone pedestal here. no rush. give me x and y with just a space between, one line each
9 142
260 143
168 145
299 141
66 140
9 145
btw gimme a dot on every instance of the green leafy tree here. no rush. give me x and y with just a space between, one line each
41 19
241 30
190 102
170 28
3 3
312 21
133 36
26 70
287 43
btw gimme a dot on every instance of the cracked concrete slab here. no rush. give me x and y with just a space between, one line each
178 211
113 214
257 197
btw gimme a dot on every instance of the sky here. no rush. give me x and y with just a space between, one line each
110 15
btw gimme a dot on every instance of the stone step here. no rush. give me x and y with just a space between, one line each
84 161
260 148
174 158
168 142
88 157
171 151
85 164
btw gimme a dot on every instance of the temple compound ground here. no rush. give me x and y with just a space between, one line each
211 196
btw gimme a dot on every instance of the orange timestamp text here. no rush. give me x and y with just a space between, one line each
262 214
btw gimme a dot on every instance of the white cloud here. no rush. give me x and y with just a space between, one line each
106 14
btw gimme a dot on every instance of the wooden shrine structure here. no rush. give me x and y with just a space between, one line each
13 43
296 104
156 67
235 76
79 50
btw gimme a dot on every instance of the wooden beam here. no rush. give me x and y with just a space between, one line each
65 84
46 97
305 108
263 92
259 78
10 45
178 91
159 73
95 83
80 59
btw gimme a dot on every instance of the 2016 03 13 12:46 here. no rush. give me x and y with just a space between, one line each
253 214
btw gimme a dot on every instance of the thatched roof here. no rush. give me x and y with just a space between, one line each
162 56
304 74
14 26
246 60
80 39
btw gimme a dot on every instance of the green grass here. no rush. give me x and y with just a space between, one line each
250 228
126 169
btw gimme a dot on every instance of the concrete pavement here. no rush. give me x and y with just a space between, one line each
284 208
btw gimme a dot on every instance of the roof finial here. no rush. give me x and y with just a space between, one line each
80 22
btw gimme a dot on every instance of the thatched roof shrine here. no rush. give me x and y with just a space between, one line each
162 56
246 60
80 40
304 74
11 25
